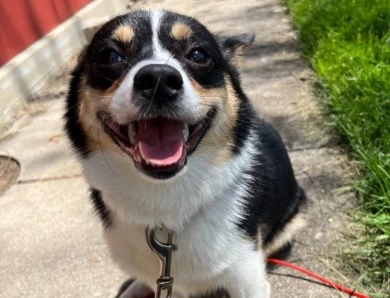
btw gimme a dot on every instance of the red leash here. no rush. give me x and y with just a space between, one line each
317 277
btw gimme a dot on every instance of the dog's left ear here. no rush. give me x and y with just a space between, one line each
233 47
91 26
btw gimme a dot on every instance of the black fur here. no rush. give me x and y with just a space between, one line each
101 208
208 76
245 116
275 195
221 293
72 124
124 287
100 75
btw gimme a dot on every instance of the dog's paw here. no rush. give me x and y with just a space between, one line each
135 289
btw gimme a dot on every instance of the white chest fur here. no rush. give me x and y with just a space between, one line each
206 248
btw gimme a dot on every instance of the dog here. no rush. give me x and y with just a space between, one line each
167 138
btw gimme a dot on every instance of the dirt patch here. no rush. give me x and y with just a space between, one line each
9 172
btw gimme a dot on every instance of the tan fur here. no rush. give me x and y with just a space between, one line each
232 102
237 58
221 135
238 55
92 101
181 31
124 34
286 235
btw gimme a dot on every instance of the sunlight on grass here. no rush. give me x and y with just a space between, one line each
348 45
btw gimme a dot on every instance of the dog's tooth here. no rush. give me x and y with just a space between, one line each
138 158
185 132
136 154
131 133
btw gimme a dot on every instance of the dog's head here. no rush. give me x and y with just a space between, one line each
155 87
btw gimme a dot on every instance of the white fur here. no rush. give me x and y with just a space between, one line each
202 205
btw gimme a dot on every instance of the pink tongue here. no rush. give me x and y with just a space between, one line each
160 141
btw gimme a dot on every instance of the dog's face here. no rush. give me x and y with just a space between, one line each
156 87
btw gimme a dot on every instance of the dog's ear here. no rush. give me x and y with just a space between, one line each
233 47
91 26
82 55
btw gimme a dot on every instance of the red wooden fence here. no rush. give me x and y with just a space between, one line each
24 21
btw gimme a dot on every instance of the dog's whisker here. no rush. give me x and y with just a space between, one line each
102 151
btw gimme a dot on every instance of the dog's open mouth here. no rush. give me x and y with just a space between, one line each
158 146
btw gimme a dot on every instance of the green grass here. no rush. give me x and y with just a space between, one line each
347 42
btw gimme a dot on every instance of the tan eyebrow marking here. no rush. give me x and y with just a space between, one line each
124 34
181 31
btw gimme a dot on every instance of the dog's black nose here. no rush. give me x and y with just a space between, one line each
159 82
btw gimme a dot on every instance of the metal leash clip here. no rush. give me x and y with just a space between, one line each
164 252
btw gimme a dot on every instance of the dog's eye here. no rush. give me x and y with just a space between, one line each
114 57
110 57
198 56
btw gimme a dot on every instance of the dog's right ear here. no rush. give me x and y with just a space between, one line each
92 26
82 54
233 47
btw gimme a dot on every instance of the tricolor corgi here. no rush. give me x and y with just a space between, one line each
167 137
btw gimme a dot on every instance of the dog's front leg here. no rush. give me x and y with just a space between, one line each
137 289
248 279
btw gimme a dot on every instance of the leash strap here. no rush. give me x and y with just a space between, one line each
317 277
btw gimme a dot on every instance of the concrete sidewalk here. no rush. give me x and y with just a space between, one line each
50 240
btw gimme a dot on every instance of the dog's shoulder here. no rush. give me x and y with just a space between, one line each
274 198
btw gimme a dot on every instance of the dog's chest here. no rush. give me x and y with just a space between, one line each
204 250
